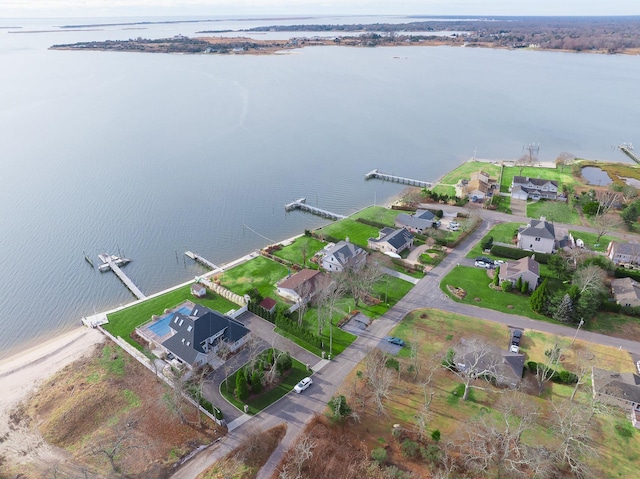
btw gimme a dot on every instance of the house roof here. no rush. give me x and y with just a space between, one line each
198 287
524 180
343 251
625 290
296 280
540 229
268 303
625 386
630 248
193 329
395 237
480 175
420 220
477 185
514 269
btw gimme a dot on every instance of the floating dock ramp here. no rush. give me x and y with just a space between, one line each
201 260
396 179
301 204
110 262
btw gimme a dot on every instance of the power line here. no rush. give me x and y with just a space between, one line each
261 236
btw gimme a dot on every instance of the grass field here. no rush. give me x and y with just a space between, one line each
444 190
590 240
502 233
464 171
358 233
258 402
475 282
557 211
379 214
301 250
562 177
122 323
260 273
434 332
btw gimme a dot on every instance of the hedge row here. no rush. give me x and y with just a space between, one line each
375 224
627 273
514 253
260 311
292 327
560 377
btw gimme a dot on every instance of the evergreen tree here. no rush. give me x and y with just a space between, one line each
519 283
242 388
256 381
525 287
496 277
565 311
539 297
630 215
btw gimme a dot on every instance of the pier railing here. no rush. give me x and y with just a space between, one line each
301 204
396 179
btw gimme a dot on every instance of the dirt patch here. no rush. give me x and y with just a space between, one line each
105 415
457 292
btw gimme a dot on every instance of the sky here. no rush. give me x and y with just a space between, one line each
90 8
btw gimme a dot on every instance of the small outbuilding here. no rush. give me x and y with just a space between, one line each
198 290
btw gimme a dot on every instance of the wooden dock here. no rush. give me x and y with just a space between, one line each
396 179
201 260
627 151
109 262
301 204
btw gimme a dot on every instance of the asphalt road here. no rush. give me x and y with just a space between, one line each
296 409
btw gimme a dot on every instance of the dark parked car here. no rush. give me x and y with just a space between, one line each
516 336
396 341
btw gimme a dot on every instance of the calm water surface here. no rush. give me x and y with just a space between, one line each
153 154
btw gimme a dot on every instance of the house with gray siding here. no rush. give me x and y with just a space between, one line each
392 240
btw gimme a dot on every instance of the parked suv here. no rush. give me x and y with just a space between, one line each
516 336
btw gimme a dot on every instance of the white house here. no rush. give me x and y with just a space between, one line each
301 285
393 240
343 254
624 253
534 188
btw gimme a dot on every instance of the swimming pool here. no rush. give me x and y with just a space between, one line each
161 327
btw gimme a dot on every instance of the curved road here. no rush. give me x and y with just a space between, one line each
296 409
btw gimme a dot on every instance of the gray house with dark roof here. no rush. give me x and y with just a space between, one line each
198 334
534 188
618 389
393 240
418 222
343 254
623 252
543 237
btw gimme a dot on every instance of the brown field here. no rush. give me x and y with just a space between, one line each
435 331
107 416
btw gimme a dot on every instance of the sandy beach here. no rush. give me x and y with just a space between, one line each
22 374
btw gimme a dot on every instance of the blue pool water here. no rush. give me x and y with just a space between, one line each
161 328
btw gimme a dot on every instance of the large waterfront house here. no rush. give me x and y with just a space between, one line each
342 255
624 253
418 222
391 240
300 286
527 269
543 237
626 292
197 334
524 188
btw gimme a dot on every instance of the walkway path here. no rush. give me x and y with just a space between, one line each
296 409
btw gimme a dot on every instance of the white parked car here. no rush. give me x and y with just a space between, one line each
302 385
638 366
514 348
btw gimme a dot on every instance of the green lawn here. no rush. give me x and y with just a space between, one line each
502 233
444 190
590 240
358 233
302 249
557 211
562 177
379 214
464 172
261 401
475 282
122 323
260 273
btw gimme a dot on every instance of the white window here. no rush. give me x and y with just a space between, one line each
181 321
189 328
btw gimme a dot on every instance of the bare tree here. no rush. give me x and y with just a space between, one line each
591 279
304 291
175 395
298 457
573 427
525 160
604 223
565 158
331 291
582 369
223 352
474 359
379 377
544 371
495 442
360 281
121 441
415 362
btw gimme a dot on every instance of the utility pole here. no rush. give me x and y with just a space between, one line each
578 329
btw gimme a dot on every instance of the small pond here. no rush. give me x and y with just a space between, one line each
632 182
595 176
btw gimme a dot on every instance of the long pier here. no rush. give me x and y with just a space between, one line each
396 179
627 151
301 204
201 260
109 261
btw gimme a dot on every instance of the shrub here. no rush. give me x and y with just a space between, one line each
430 453
392 363
514 253
409 448
435 435
447 361
256 381
379 455
242 388
506 286
488 243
